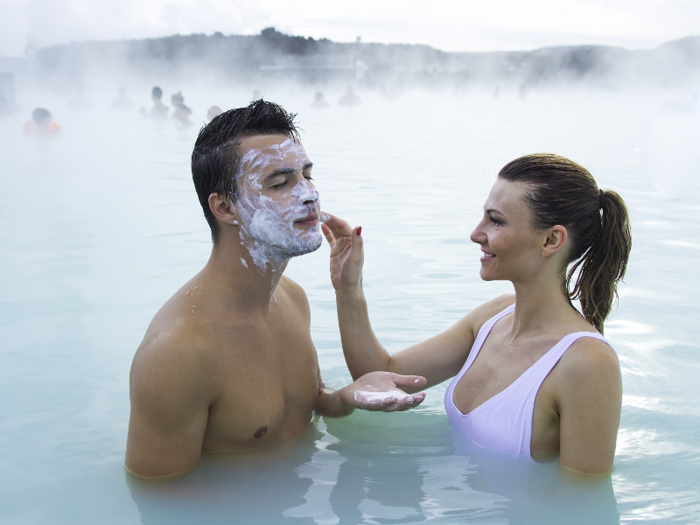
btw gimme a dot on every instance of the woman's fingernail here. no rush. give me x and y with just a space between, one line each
416 380
359 230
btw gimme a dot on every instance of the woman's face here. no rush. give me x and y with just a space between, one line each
511 247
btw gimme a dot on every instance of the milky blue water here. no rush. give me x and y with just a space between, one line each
101 225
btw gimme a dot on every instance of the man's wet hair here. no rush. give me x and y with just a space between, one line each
156 92
215 159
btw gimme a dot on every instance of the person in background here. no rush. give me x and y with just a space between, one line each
534 377
159 110
80 102
212 112
349 98
181 111
4 109
319 100
41 123
122 102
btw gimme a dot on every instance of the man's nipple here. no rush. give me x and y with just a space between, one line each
260 432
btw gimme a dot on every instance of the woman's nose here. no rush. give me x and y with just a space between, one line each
478 235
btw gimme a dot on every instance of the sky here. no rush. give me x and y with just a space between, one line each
450 25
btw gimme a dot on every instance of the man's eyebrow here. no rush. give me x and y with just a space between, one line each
287 171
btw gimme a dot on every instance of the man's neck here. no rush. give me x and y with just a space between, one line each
244 286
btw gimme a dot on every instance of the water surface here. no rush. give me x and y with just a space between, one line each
101 225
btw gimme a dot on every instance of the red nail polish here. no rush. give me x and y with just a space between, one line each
359 230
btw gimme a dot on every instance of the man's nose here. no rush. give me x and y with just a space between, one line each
308 194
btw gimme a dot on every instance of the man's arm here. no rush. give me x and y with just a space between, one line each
589 399
169 410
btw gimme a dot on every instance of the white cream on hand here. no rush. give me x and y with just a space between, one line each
382 398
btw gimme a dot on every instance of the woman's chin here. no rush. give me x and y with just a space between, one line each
485 275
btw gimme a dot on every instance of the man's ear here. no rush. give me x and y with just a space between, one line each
555 240
222 209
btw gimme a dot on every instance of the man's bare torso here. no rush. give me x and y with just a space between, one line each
258 371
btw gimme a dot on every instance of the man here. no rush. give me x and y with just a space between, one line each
228 364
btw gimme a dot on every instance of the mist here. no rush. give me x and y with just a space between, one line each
272 62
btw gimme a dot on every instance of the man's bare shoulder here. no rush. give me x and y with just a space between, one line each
295 294
179 337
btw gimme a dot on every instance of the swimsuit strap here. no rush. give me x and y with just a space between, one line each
481 336
528 385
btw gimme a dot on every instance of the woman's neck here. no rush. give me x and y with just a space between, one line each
541 307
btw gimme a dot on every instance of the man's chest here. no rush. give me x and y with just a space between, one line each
267 386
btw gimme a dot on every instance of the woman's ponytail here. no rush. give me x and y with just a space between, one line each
604 264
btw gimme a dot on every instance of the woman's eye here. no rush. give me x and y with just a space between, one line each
495 221
279 185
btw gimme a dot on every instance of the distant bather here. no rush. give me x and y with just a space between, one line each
159 110
319 100
349 98
213 112
41 123
181 112
122 102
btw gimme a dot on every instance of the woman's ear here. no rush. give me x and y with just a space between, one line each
555 240
222 209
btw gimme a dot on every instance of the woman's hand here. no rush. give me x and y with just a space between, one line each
347 254
378 391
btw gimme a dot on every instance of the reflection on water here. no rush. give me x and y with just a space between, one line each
373 470
99 226
256 487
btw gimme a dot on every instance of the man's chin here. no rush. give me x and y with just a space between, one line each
307 246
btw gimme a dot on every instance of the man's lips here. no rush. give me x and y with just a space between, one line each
309 220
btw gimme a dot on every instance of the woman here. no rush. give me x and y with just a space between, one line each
534 376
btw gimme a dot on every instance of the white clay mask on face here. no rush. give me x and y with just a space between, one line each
267 221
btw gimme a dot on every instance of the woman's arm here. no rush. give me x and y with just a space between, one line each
437 358
376 391
589 398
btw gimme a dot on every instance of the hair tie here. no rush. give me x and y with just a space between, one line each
601 198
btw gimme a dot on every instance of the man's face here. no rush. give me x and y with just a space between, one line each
277 206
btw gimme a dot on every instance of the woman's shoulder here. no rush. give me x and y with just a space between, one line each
490 309
475 319
589 359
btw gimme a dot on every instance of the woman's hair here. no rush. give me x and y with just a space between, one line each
560 192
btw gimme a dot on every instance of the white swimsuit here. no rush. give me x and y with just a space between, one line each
504 422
